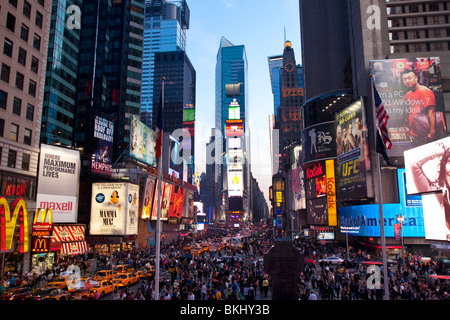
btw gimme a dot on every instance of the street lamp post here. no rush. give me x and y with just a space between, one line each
400 219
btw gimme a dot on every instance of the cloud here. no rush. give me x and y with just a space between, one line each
228 3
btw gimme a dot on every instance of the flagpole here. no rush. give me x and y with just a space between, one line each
380 199
158 217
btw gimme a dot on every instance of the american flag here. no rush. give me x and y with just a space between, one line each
382 118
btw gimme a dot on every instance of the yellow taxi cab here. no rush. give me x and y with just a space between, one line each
102 287
125 279
58 282
76 285
123 268
62 296
146 272
187 248
103 275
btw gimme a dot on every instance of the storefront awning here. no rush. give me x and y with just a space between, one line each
72 248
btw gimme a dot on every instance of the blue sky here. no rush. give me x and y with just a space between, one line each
258 25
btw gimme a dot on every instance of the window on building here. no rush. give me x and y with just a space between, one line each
37 42
22 58
12 156
27 137
34 64
26 162
32 88
10 22
17 106
24 31
3 99
30 112
19 80
2 127
4 75
14 132
39 19
13 2
8 47
27 9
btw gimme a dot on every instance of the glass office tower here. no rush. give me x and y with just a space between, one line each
232 94
165 30
60 78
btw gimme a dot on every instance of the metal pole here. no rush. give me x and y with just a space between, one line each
158 219
380 196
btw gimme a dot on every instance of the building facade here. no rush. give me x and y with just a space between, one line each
166 23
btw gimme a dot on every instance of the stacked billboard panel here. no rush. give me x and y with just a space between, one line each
58 179
409 89
143 141
427 176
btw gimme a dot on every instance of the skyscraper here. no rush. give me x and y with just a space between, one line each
24 34
60 78
231 122
166 23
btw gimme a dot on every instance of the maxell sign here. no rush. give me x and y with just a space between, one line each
58 178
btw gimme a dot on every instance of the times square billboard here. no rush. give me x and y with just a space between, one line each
364 220
409 89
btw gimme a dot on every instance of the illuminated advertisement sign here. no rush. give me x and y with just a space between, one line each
42 231
166 188
143 141
364 220
176 202
234 128
114 209
235 160
148 197
103 140
8 224
409 89
234 143
235 184
58 178
234 113
321 193
318 142
353 158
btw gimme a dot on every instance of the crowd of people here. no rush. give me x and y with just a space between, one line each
237 273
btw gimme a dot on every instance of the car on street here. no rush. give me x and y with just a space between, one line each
61 296
103 275
123 268
102 287
38 294
146 272
18 293
58 282
332 260
125 279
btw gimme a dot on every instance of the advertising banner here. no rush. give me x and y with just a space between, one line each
352 149
331 193
235 184
426 167
436 214
318 142
150 186
298 189
176 202
234 128
103 141
143 142
114 208
235 160
364 220
166 188
409 89
58 179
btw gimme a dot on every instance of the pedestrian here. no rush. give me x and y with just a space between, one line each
265 285
312 295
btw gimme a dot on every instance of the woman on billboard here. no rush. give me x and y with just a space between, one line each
441 181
